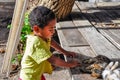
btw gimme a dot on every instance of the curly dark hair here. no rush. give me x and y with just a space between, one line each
41 16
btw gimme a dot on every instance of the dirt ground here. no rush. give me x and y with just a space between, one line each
6 12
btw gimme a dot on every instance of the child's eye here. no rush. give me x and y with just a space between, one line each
50 30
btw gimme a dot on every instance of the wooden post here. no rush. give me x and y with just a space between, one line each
14 35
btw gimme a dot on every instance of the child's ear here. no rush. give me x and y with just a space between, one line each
35 28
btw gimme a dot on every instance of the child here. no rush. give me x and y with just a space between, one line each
37 58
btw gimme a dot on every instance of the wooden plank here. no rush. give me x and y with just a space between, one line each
66 25
83 52
81 6
72 36
64 44
106 20
76 15
113 35
103 1
84 77
108 4
90 9
99 18
114 15
89 14
115 32
59 74
108 34
98 43
61 36
102 17
117 12
86 51
84 6
100 5
95 22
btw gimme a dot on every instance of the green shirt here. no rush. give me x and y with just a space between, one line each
34 62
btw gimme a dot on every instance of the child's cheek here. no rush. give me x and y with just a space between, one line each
48 34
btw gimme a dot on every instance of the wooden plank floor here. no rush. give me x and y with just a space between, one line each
101 17
107 21
91 30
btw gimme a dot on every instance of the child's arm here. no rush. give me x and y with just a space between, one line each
57 47
61 63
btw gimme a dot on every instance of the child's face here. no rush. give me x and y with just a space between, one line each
49 30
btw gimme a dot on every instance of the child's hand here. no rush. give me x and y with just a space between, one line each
74 63
70 54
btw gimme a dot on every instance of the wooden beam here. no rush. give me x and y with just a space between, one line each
14 35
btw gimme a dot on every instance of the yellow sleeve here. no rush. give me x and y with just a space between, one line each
39 52
47 67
